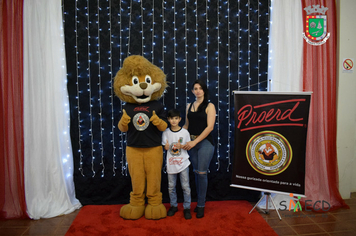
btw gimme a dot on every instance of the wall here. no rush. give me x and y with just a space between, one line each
346 104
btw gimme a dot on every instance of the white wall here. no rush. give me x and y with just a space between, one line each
346 104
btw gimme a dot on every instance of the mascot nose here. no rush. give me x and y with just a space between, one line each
143 85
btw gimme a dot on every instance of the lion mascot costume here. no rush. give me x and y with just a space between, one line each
140 84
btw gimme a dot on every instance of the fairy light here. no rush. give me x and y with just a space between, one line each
142 35
100 94
90 95
163 39
239 45
121 135
175 55
129 33
218 75
249 46
196 40
112 97
66 136
153 32
207 39
121 32
124 141
259 46
228 88
270 54
186 52
78 92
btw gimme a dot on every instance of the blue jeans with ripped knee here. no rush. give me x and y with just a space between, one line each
200 157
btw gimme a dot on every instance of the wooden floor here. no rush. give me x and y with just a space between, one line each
340 222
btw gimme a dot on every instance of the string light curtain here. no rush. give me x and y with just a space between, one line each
224 43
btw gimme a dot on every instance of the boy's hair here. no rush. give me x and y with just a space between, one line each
173 113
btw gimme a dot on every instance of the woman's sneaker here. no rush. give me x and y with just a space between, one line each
200 212
187 214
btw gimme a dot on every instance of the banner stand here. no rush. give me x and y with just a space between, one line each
268 196
270 144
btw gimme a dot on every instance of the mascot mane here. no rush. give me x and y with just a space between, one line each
138 66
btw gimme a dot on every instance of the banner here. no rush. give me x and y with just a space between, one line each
270 141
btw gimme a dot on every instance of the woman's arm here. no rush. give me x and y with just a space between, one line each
186 125
211 116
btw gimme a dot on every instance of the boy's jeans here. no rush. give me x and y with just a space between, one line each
184 180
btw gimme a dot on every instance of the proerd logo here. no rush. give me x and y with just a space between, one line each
269 153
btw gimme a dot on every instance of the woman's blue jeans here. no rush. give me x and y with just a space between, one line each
200 157
184 181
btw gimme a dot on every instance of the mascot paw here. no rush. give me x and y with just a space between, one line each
155 212
130 212
156 121
124 122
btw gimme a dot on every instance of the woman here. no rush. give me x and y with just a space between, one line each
200 120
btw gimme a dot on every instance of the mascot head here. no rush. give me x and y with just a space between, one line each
139 81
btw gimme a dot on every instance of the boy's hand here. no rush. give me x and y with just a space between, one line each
167 145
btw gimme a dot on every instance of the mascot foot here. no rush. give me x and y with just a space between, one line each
130 212
155 212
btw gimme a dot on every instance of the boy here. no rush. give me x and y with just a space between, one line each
173 138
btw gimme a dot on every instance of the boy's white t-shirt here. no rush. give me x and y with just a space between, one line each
177 159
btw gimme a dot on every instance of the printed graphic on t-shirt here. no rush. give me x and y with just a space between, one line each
141 121
174 150
175 159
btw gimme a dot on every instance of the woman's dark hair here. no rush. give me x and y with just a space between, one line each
205 102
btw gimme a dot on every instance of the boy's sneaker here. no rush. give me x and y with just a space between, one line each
187 214
172 211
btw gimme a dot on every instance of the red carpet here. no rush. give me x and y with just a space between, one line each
221 218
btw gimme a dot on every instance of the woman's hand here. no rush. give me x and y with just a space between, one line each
189 145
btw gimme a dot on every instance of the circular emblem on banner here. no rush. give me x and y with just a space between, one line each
269 153
141 121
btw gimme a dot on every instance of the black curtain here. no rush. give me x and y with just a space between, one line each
225 43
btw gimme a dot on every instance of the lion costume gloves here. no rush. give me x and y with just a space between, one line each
140 84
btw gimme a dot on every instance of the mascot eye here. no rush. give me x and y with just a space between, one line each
148 79
135 80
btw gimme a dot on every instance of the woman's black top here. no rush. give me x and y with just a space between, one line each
198 121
